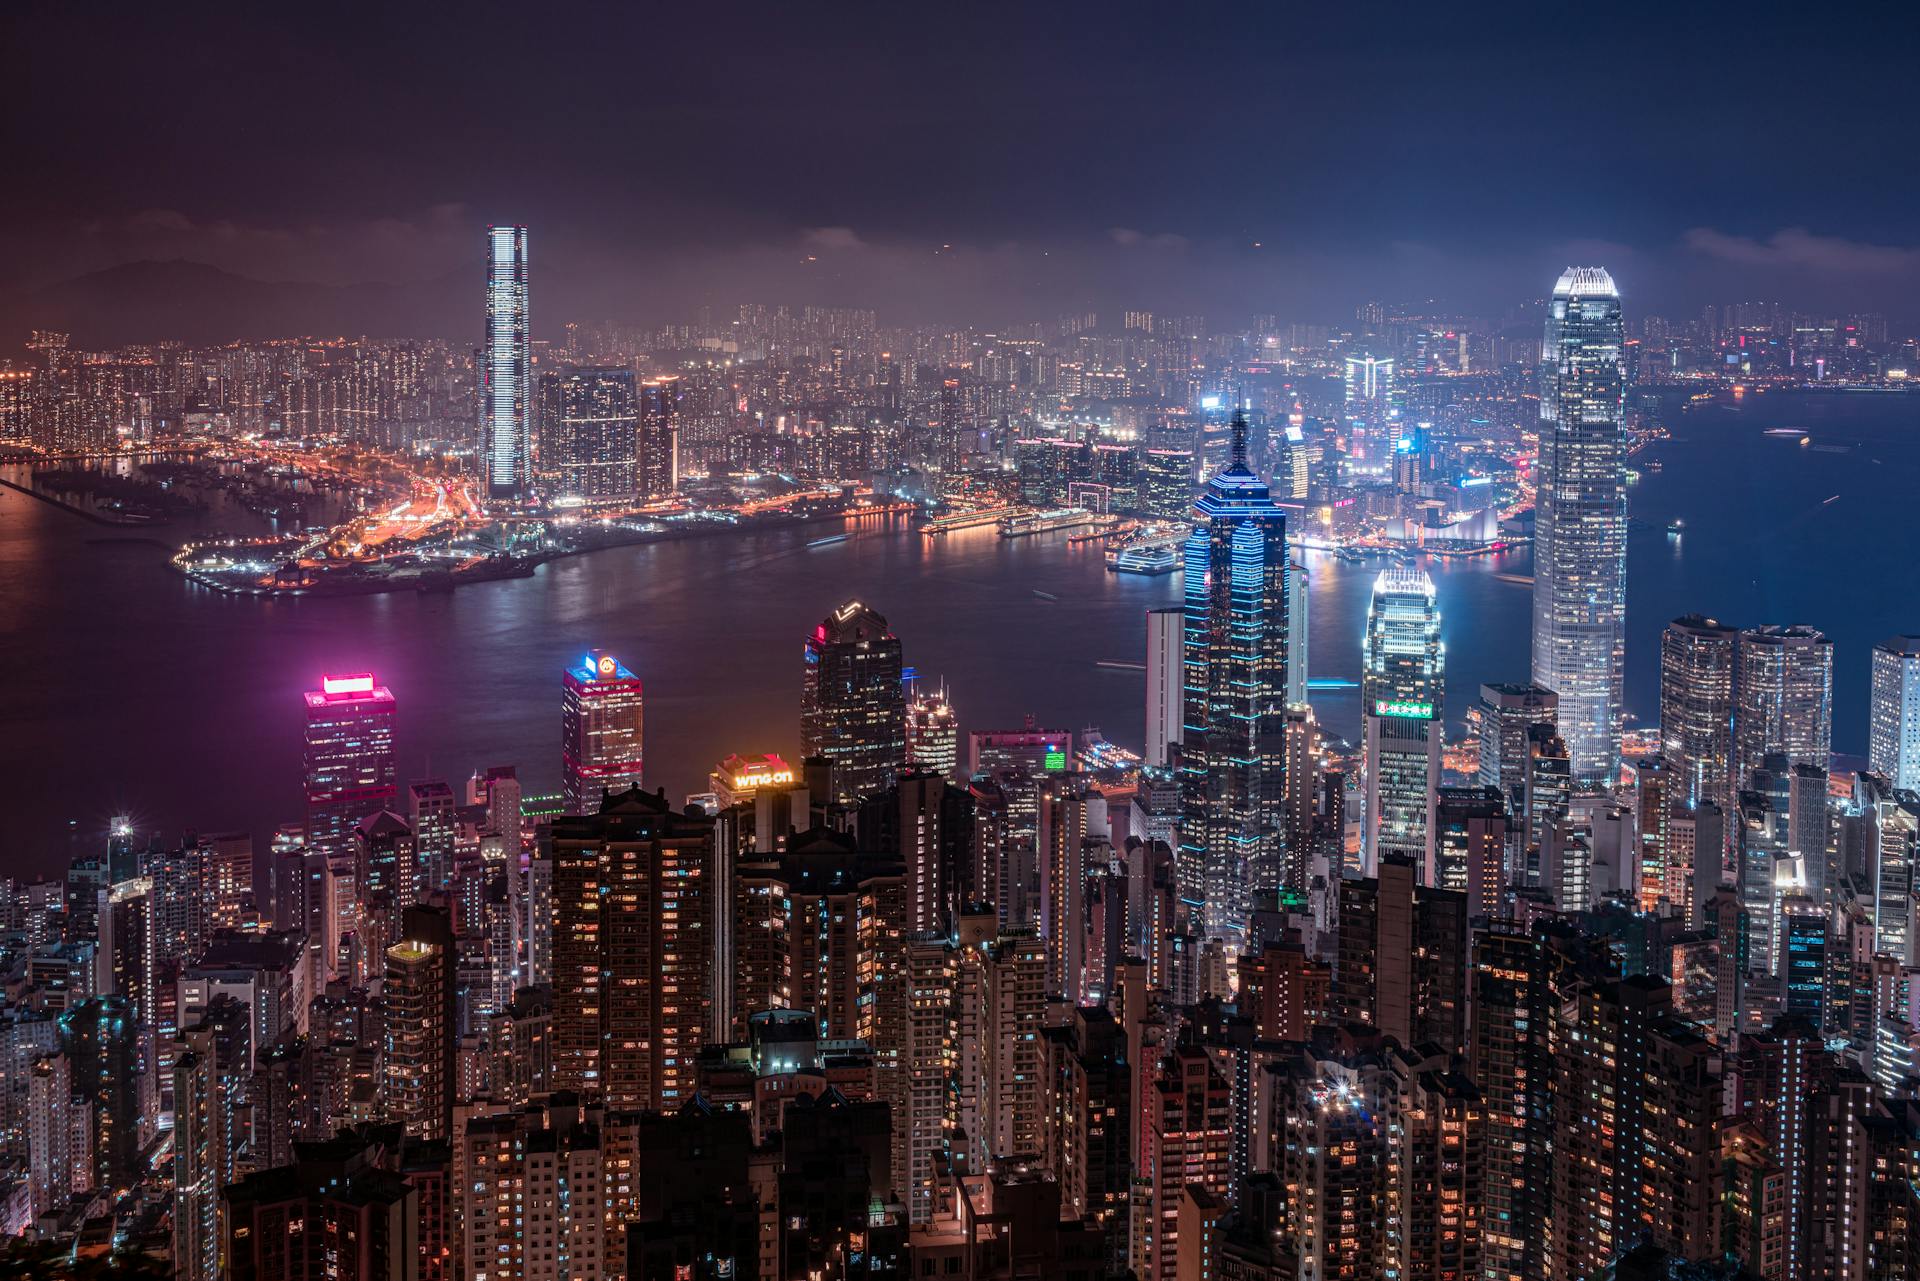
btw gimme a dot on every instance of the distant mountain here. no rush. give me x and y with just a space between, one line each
149 301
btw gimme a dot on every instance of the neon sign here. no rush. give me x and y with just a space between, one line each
1384 707
359 683
763 778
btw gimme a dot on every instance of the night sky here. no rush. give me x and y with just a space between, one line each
1225 159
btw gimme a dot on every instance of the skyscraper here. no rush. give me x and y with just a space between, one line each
633 914
933 733
596 430
600 730
659 456
853 705
1164 688
1402 687
1696 707
1232 756
1893 748
1783 698
507 366
1580 520
350 769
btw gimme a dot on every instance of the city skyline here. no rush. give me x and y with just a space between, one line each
1234 645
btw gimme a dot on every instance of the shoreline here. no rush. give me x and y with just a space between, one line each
524 567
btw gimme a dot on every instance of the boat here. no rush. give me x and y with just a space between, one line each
1676 525
828 542
1044 595
1145 560
1045 522
1783 431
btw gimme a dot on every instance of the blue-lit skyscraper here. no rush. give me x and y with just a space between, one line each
1232 757
1580 520
507 367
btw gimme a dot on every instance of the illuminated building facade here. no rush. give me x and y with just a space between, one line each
350 763
1232 755
600 731
1026 752
594 433
507 369
1580 515
1402 691
633 920
1166 629
933 733
1696 707
853 704
1893 749
1783 699
1369 386
740 778
659 441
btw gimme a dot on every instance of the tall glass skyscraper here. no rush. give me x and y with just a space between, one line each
1232 753
506 374
351 769
1401 696
1893 744
601 729
853 702
1696 707
1580 520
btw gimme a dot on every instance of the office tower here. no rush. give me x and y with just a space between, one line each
1696 707
1019 753
1783 698
350 769
658 464
418 1001
1402 687
1507 712
333 1214
507 368
534 1191
594 432
1186 1133
1580 521
1402 961
1656 801
1166 483
1636 1136
1471 842
430 813
600 731
1893 749
633 915
853 706
1232 754
1164 682
1298 631
933 733
1549 793
1369 386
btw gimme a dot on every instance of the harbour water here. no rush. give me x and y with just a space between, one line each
130 690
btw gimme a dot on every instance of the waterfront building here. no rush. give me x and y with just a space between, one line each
1783 698
1696 707
1580 521
350 761
853 705
591 441
507 368
601 725
1402 688
658 460
1893 749
1232 754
